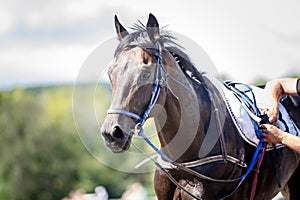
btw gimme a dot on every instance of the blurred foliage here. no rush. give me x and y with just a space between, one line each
41 154
261 82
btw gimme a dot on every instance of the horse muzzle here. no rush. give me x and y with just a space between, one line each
116 139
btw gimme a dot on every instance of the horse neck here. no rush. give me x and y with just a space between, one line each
222 136
182 126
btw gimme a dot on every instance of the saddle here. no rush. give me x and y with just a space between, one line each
289 109
289 114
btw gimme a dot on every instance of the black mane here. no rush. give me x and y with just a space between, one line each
140 38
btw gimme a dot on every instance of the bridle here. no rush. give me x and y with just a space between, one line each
161 77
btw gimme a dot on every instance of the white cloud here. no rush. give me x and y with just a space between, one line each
78 10
6 20
55 63
55 14
245 40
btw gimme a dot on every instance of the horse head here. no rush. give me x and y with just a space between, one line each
132 76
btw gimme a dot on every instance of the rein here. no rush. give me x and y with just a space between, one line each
161 76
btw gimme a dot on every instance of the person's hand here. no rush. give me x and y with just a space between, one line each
272 134
273 114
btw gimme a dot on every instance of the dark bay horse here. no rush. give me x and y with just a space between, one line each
152 77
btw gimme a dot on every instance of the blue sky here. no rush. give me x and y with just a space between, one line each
45 42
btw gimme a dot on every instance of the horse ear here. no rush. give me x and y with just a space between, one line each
153 28
121 31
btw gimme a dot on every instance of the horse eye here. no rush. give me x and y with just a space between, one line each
145 60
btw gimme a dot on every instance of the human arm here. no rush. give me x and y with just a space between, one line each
278 88
275 135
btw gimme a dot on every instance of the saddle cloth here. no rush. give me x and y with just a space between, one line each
243 121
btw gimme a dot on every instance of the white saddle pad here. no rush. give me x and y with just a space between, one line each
242 119
245 124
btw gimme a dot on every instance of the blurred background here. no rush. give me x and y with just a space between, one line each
43 45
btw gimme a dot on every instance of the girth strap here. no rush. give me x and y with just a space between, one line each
204 161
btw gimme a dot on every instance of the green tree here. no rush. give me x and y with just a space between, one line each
41 154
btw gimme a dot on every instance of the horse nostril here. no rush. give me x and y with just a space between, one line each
107 136
117 133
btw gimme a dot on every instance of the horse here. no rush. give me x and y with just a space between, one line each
152 77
